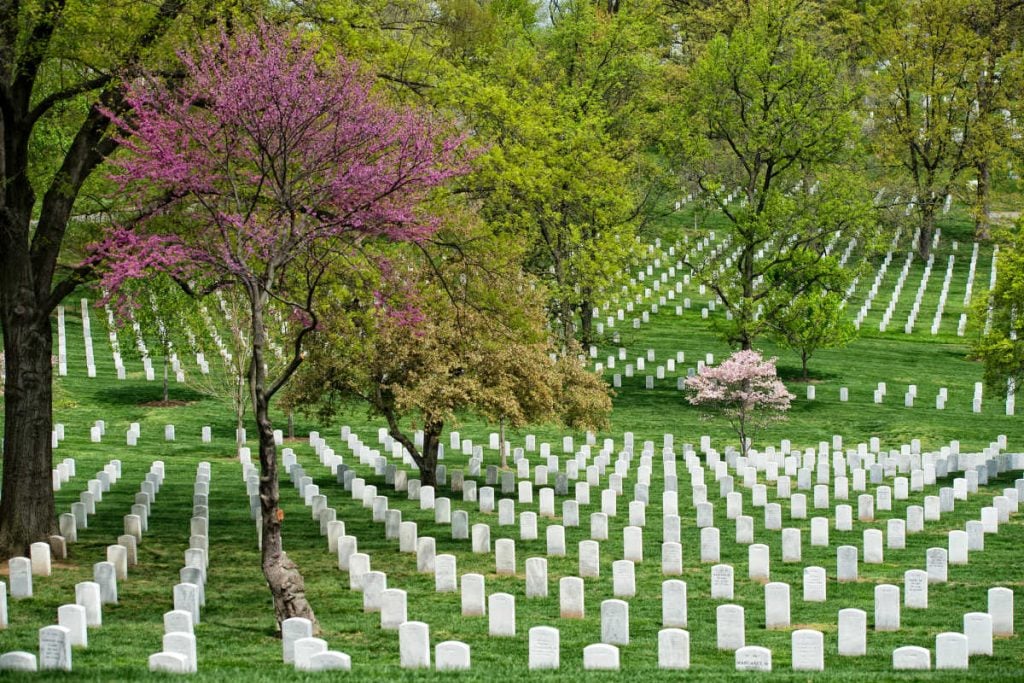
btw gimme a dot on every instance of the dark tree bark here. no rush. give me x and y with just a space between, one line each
26 509
924 242
586 322
425 458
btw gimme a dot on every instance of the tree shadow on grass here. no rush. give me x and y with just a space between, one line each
136 396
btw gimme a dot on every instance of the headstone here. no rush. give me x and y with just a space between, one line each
673 604
571 597
808 650
87 594
445 580
329 660
887 608
623 579
752 657
709 545
168 663
73 618
18 661
104 574
393 608
757 561
776 605
936 560
414 645
186 597
589 559
537 577
184 644
951 651
600 657
673 649
915 589
473 595
853 640
814 584
452 655
615 622
54 648
911 658
846 563
1000 606
722 582
40 558
19 570
502 615
978 629
545 651
730 627
178 621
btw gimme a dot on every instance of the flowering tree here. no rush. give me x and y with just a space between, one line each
744 389
261 173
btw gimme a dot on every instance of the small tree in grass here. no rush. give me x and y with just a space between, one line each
263 172
815 320
744 389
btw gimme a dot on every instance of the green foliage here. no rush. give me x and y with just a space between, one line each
815 320
999 318
927 64
568 112
447 329
765 113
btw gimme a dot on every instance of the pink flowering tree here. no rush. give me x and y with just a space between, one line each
744 389
264 171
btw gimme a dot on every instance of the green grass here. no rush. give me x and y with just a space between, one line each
236 638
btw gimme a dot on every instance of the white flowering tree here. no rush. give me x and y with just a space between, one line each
745 390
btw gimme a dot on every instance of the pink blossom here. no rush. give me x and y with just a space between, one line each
261 157
744 389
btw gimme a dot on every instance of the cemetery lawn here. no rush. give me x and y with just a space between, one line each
236 637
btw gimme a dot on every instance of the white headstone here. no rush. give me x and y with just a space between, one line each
414 645
545 650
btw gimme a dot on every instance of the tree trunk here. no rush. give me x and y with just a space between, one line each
746 316
983 206
166 392
924 241
425 458
291 424
283 576
803 360
586 322
428 466
501 444
26 510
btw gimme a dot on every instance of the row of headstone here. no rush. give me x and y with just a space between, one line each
63 472
56 641
179 652
374 583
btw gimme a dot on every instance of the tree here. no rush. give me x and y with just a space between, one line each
570 111
1000 318
929 62
259 172
814 321
59 71
161 310
744 389
999 24
765 109
452 328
